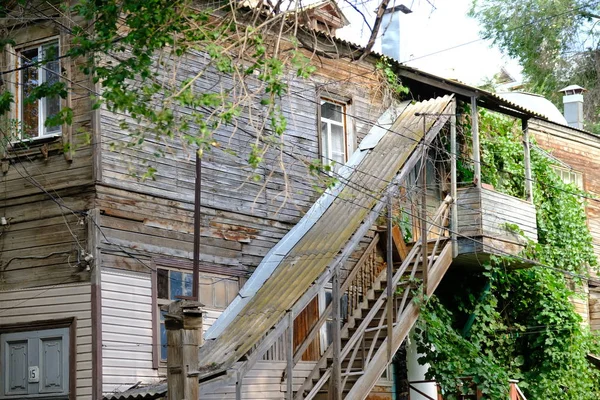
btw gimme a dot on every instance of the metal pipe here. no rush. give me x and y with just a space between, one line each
197 224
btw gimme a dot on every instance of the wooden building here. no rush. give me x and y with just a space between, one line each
89 252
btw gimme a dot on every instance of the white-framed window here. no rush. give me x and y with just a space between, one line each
36 364
215 293
569 176
37 64
334 133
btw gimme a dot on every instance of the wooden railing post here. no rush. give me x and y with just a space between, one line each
390 274
424 212
335 392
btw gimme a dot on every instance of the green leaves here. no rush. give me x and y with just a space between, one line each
526 327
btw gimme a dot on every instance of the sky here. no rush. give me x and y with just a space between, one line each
434 26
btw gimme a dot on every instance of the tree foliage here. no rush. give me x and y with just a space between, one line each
555 41
524 325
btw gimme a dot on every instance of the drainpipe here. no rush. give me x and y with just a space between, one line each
184 338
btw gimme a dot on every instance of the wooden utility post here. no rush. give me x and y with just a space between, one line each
527 163
453 182
184 337
475 138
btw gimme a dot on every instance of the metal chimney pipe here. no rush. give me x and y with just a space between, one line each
390 40
573 105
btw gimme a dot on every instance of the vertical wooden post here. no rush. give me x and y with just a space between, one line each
453 181
390 273
335 388
289 395
527 163
184 337
238 386
424 212
475 138
197 227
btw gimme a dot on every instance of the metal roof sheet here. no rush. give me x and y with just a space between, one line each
150 392
311 254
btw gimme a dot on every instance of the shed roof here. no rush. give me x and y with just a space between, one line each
290 269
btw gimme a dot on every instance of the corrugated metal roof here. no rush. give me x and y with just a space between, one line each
308 258
482 93
150 392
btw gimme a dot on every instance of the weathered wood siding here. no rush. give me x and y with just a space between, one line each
36 246
485 212
56 302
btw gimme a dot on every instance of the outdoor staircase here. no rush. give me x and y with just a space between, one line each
367 341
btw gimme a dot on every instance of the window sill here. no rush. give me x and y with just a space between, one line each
43 145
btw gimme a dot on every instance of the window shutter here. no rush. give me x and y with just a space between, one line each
52 365
16 358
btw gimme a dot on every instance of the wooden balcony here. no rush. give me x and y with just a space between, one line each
492 223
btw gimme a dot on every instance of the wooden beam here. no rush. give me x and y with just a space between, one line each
399 244
424 213
289 395
527 163
453 180
475 138
389 273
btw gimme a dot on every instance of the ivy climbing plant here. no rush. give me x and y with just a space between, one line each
504 323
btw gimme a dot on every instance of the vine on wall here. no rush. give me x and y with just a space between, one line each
524 326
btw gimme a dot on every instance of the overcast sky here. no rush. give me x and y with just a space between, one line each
432 27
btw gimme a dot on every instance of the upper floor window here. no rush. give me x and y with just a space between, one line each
40 65
334 134
569 176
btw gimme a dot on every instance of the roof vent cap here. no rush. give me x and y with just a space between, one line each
572 89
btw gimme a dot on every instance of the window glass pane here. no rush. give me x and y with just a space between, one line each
331 111
162 283
176 283
29 80
324 143
338 153
188 284
51 72
163 337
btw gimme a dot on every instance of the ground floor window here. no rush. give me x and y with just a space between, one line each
35 364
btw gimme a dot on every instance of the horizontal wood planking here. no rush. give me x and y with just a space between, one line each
485 212
163 227
56 302
126 330
40 245
127 342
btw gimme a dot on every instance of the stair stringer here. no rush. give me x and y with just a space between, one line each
364 385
